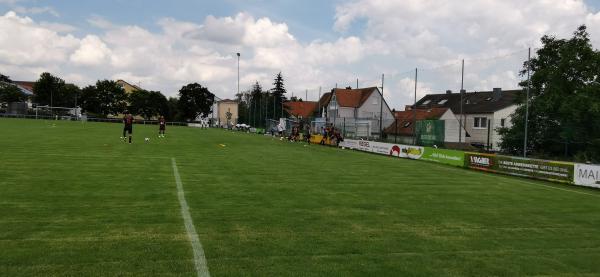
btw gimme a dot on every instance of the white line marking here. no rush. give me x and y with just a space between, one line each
552 187
199 258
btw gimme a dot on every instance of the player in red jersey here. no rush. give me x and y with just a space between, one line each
161 127
128 125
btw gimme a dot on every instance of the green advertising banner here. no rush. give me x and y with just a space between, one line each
444 156
430 132
539 169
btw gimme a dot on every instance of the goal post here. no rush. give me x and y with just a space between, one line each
58 112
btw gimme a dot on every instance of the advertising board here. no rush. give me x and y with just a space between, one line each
587 175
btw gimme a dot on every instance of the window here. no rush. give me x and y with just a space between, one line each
480 123
443 101
406 124
426 102
488 99
502 122
375 102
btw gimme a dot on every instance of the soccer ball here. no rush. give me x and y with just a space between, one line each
147 139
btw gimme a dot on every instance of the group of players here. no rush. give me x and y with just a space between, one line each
128 121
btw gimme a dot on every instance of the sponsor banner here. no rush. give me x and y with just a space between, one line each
539 169
587 175
478 161
390 149
444 156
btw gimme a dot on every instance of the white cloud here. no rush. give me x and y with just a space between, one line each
36 10
25 43
387 37
58 27
92 52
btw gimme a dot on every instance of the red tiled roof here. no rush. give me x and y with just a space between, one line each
302 109
325 98
353 98
25 84
403 125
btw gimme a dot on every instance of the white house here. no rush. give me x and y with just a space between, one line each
481 113
359 108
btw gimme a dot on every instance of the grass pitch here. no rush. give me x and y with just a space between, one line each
75 200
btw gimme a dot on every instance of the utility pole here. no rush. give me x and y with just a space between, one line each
356 83
380 108
415 109
462 83
527 102
319 103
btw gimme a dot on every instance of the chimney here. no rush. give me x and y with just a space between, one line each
448 92
497 94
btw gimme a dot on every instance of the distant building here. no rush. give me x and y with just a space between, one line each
403 127
482 113
301 109
129 88
227 111
362 107
214 113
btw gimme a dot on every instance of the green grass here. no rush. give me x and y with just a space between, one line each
76 201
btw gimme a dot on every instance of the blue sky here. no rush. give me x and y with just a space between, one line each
165 44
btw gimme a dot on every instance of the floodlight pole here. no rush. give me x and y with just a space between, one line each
527 102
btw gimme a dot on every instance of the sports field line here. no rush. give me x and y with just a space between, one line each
553 187
199 258
85 156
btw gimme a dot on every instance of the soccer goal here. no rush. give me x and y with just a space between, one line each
57 113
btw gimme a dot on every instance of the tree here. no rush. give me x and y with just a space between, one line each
148 103
5 79
67 96
194 101
10 93
46 88
89 100
279 96
172 111
258 105
243 99
564 101
111 98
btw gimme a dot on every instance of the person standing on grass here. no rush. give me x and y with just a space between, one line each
161 126
280 130
128 126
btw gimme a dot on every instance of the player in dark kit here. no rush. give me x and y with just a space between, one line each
161 127
128 126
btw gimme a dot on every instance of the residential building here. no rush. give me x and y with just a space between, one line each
301 109
356 110
481 113
227 111
129 88
403 127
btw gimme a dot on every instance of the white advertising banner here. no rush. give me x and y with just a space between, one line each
587 175
389 149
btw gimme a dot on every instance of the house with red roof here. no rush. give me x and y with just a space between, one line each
301 109
360 108
403 127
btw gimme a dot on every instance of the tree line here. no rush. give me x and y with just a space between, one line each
564 102
258 105
107 97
